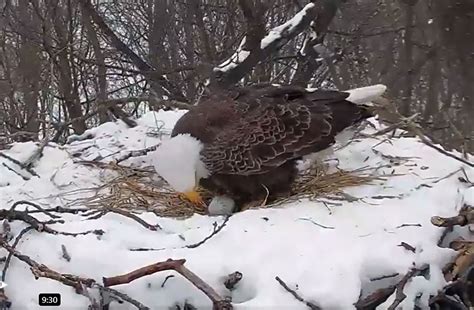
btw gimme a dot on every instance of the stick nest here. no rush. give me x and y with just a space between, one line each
142 190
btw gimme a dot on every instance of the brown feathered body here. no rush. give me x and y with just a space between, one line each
254 136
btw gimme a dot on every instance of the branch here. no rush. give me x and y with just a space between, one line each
10 254
375 299
42 271
134 217
399 295
137 153
312 51
298 297
37 153
216 230
158 82
243 60
465 217
78 283
122 296
42 226
408 124
20 164
178 266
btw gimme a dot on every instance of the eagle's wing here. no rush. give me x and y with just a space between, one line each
268 131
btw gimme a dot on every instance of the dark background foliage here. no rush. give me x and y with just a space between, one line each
68 65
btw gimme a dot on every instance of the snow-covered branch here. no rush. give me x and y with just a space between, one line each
243 60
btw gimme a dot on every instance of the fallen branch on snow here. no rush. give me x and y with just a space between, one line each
80 284
20 164
40 226
298 297
375 299
36 154
217 229
409 124
399 295
25 178
456 271
42 271
465 217
219 303
125 213
137 153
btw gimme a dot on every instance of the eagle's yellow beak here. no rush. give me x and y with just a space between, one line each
194 197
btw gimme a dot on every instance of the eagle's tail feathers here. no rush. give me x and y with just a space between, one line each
366 95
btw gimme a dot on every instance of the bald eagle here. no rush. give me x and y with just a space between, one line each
245 143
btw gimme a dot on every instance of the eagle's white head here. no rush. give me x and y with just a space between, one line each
178 161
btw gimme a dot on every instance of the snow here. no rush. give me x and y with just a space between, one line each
328 266
177 161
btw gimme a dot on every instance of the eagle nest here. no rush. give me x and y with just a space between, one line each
138 190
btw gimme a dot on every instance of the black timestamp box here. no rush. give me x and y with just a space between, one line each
49 299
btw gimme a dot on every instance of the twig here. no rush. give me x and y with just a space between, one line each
426 141
166 279
216 230
178 266
41 226
446 231
10 254
145 249
232 280
375 299
34 205
65 255
42 271
408 225
408 123
298 297
122 296
7 230
36 154
60 209
402 123
16 172
408 247
393 275
136 153
19 163
465 179
134 217
78 283
317 224
399 295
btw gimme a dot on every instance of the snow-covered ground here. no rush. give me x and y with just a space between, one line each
328 266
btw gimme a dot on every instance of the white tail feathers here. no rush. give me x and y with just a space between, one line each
365 95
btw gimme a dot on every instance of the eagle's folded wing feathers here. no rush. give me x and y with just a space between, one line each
267 135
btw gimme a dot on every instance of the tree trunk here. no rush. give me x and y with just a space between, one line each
408 58
101 81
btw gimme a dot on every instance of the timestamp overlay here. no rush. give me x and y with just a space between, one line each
49 299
